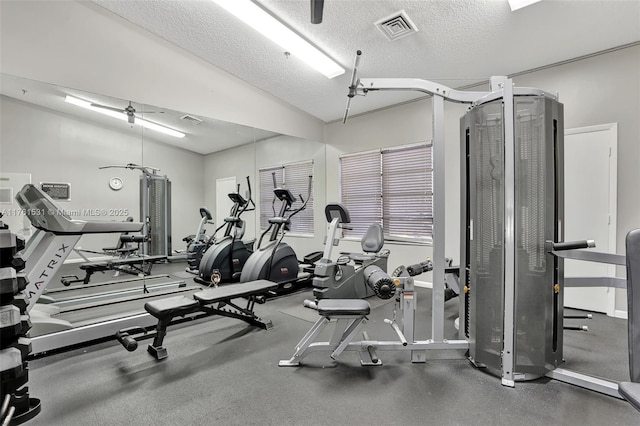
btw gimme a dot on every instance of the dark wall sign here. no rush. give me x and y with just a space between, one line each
57 191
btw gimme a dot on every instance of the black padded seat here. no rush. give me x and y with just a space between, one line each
171 306
631 392
372 242
252 288
373 239
343 307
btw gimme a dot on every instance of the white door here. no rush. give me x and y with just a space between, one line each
590 209
224 186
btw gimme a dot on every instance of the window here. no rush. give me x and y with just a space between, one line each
295 178
393 187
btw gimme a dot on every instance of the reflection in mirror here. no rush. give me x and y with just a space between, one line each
93 161
50 141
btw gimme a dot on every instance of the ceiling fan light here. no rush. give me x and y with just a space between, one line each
270 27
124 117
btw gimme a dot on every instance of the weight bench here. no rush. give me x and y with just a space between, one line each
349 315
212 301
132 265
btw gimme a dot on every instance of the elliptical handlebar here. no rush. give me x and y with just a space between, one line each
304 204
246 208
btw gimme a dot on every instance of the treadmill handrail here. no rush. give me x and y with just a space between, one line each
43 213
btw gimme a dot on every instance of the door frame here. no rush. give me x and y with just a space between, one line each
612 140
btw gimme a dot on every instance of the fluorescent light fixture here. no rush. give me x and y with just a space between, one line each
122 116
267 25
519 4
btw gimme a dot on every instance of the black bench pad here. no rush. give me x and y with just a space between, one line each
171 306
631 392
232 291
344 307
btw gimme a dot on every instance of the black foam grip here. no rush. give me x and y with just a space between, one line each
127 341
573 245
379 281
420 268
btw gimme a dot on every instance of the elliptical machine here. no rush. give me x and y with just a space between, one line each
226 258
276 261
352 275
198 243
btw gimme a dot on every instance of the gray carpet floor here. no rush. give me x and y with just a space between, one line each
222 372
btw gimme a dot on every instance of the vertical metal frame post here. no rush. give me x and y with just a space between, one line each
439 95
144 209
509 236
437 298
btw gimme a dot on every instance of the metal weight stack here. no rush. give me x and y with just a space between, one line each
512 203
17 405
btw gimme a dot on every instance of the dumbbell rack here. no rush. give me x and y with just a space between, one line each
17 405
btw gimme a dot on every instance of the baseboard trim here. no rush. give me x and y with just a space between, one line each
620 314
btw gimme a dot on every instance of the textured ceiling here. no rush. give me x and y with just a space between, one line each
459 42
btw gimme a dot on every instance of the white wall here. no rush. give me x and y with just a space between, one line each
55 147
601 89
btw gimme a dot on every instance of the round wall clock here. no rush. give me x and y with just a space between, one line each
116 183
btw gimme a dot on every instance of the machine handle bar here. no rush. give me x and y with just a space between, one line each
352 86
573 245
397 330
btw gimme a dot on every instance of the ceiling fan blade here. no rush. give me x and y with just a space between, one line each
316 11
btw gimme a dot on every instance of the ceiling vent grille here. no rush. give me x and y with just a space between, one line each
191 119
396 26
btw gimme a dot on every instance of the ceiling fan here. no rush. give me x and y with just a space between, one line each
129 110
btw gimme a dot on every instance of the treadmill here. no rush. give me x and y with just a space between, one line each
95 318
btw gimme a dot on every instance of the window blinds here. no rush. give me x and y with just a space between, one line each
393 187
295 178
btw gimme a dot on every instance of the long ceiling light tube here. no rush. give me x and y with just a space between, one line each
270 27
519 4
122 116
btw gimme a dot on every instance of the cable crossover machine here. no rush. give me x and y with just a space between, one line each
511 251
